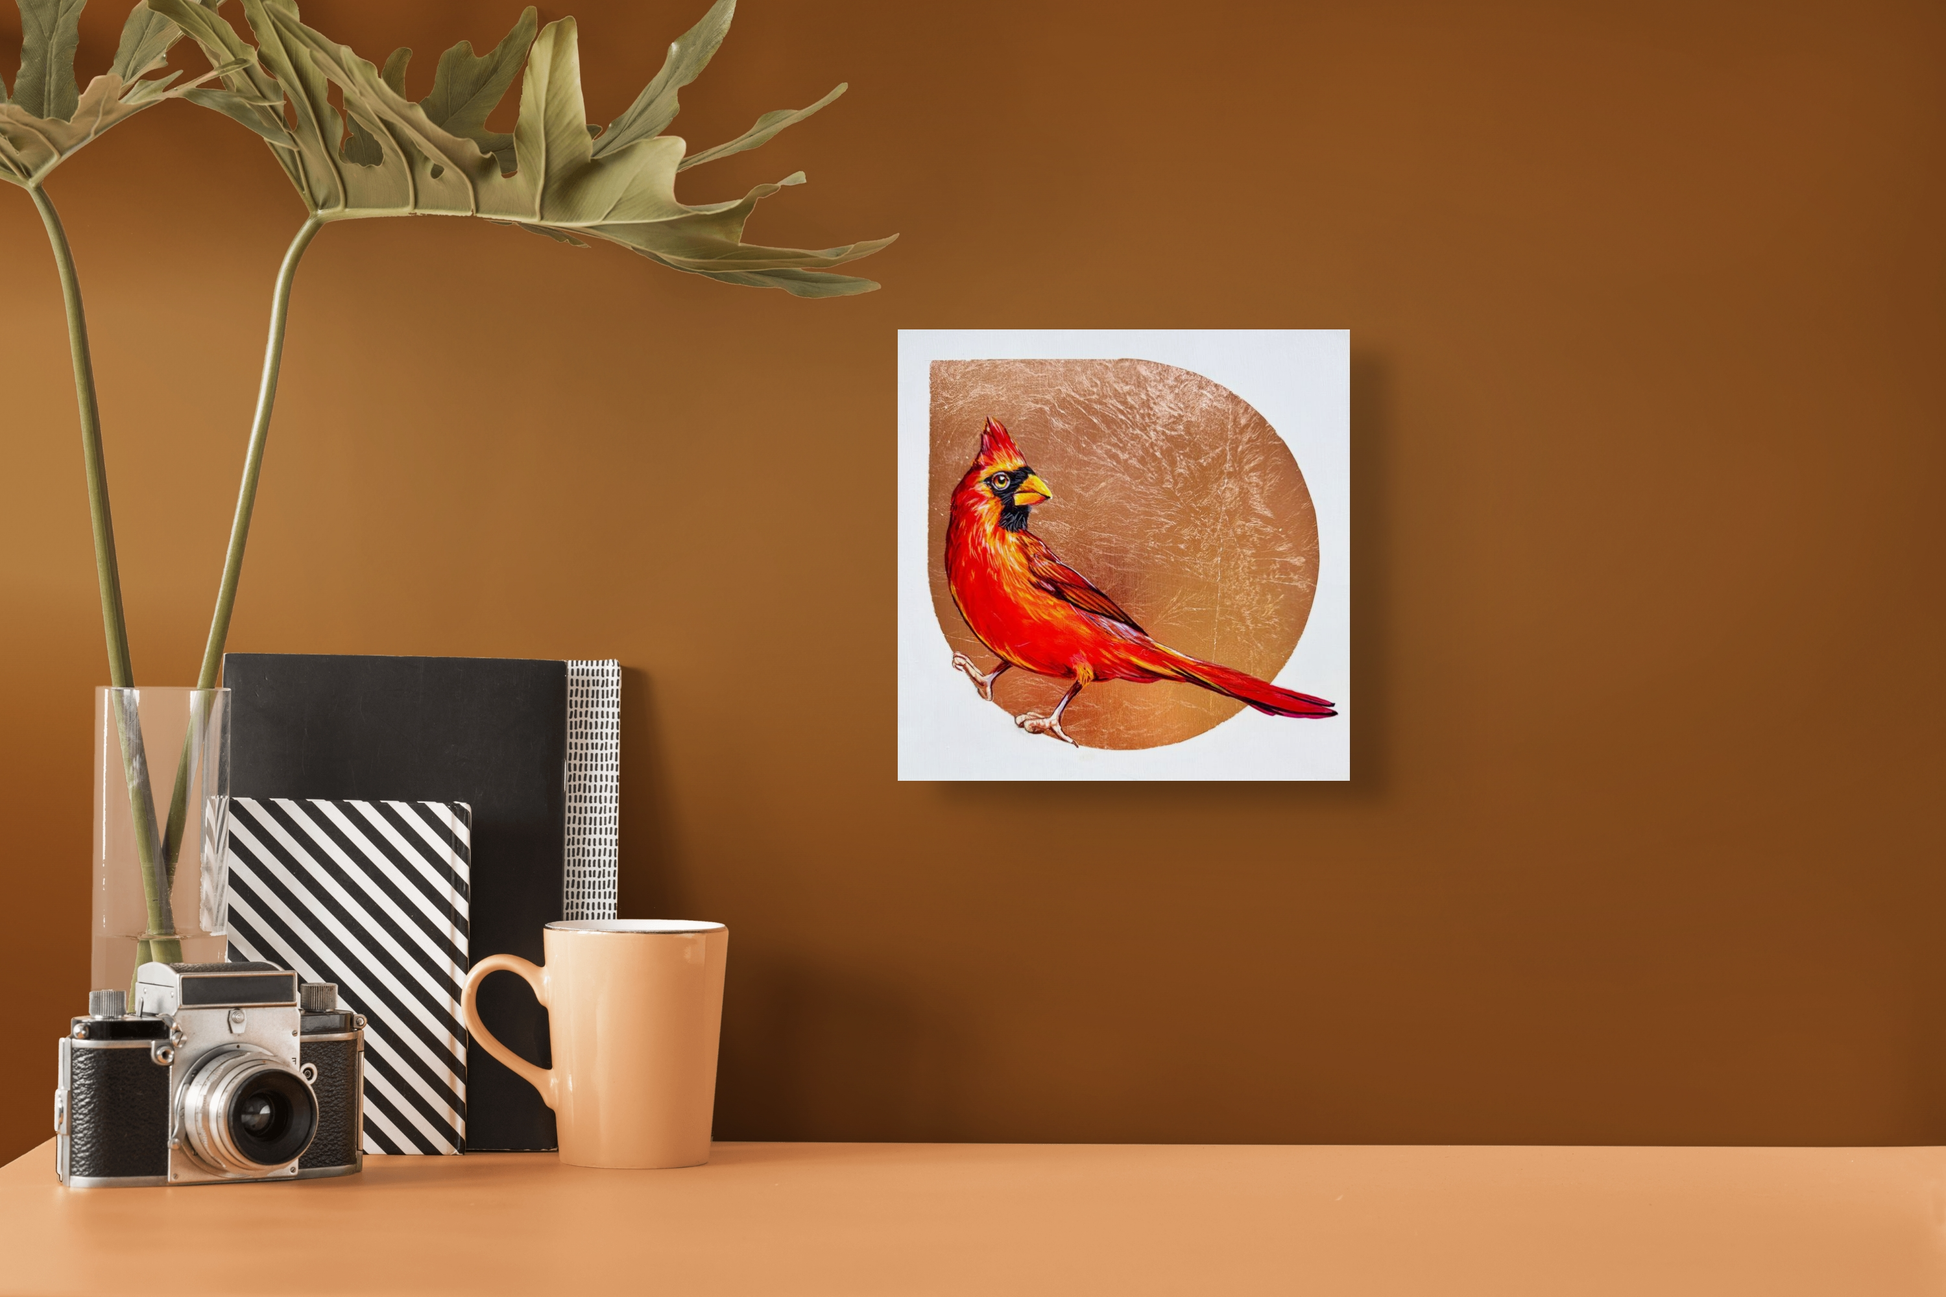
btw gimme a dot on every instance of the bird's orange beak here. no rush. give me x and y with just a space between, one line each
1033 491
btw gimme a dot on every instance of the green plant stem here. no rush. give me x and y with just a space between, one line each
280 305
253 461
121 671
160 941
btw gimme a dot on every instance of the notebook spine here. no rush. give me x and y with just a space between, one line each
594 789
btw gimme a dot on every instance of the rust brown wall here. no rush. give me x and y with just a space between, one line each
1646 310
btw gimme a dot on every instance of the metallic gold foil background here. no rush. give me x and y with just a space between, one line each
1171 494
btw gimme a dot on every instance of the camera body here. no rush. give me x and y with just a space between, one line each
223 1073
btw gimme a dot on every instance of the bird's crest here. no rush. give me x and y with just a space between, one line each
997 447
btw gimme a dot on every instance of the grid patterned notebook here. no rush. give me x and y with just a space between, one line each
373 896
594 789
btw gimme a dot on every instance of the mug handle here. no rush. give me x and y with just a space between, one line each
540 1078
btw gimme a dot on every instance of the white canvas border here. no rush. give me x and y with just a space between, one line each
1300 381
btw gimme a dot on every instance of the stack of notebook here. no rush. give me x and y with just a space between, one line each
398 819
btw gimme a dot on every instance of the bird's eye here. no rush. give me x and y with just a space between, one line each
1000 481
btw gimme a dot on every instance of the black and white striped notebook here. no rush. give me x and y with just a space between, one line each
373 896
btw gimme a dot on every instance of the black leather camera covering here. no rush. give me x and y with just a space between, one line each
336 1143
118 1113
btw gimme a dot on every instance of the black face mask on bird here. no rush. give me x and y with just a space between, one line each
1018 489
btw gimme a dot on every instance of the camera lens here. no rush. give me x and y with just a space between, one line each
257 1113
271 1117
245 1112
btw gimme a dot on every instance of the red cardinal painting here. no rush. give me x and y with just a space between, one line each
1037 613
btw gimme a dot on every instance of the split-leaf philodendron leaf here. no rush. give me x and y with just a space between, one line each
555 174
47 119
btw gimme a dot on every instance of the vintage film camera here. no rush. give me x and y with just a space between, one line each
224 1072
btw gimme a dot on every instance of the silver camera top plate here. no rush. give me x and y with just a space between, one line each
166 988
218 1008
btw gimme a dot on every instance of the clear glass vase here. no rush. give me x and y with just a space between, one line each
162 812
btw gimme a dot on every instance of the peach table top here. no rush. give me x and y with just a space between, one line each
1126 1220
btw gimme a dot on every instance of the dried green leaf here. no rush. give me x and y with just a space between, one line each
47 121
394 72
235 62
542 230
239 108
656 106
146 39
435 157
798 283
767 126
49 33
466 88
228 53
361 146
318 128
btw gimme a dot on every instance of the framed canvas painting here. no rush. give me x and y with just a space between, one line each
1124 554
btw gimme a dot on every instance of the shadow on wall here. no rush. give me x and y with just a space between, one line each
1372 530
1373 526
648 871
808 1051
814 1053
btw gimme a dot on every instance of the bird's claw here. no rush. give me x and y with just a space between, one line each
1035 723
981 680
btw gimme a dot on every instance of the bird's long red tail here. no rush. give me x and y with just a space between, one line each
1244 687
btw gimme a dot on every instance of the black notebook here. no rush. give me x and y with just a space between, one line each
529 745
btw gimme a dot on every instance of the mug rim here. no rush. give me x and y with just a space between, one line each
636 927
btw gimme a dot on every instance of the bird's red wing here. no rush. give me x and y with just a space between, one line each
1063 582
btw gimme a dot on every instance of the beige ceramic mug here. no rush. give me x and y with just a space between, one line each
633 1010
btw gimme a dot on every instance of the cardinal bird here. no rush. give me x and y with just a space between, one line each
1041 615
